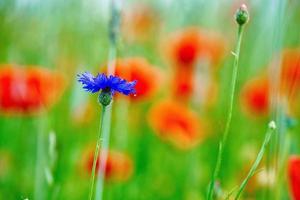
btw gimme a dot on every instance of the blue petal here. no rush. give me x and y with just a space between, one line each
88 82
101 81
121 85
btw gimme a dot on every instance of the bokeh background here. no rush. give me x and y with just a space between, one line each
163 142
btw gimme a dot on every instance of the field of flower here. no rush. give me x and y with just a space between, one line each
149 99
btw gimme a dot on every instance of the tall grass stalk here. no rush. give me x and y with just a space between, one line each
236 55
271 129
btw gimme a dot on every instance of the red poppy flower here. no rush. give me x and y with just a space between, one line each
290 73
176 123
255 96
187 46
119 166
183 84
294 176
147 76
202 87
28 90
184 47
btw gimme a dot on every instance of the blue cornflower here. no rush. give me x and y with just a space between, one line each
107 84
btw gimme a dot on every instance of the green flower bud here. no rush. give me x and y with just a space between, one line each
242 15
105 97
272 125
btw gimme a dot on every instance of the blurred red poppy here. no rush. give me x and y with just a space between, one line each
183 84
294 176
202 87
176 123
255 96
148 77
119 166
139 21
290 73
186 46
28 90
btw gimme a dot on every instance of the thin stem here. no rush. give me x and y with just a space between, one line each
104 152
258 159
230 193
268 169
233 83
40 186
96 154
229 116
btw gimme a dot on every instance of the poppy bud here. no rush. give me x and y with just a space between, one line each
242 15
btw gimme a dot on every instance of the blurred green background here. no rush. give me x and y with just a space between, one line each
44 155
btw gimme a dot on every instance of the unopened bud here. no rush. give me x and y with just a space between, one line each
242 15
272 125
105 97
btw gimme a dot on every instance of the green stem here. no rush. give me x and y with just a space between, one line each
266 192
104 152
96 154
229 116
40 182
271 129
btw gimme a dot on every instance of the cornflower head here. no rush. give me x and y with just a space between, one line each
107 84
